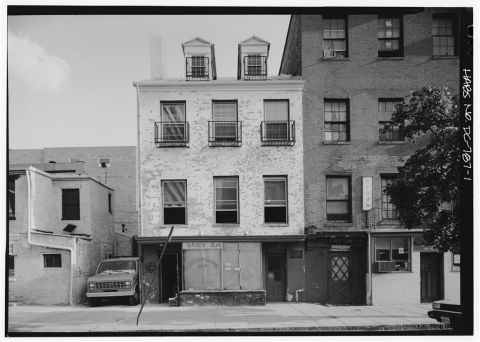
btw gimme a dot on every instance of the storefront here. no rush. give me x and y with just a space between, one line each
240 271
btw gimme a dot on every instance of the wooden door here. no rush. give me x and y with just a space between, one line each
430 277
339 278
275 277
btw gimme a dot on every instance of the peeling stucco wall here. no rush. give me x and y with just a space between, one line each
199 163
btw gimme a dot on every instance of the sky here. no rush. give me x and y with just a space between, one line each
70 77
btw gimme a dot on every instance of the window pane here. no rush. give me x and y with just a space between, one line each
70 204
276 110
173 112
226 203
224 111
400 248
276 214
382 249
174 215
337 207
337 188
11 265
274 191
174 193
11 197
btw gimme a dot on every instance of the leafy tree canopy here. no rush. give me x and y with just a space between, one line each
429 178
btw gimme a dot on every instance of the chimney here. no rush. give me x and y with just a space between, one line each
156 61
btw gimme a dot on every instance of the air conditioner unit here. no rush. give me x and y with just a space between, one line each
385 266
329 53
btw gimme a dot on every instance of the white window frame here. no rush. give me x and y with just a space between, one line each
215 179
265 204
50 268
164 201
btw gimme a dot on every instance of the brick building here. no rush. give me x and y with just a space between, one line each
357 64
60 227
114 166
221 160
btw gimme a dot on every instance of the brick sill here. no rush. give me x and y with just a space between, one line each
337 143
391 142
273 225
226 225
336 59
445 57
390 58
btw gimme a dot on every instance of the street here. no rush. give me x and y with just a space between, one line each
271 318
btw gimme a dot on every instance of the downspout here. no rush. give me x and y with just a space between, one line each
139 184
73 251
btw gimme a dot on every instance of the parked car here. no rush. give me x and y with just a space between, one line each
116 277
446 312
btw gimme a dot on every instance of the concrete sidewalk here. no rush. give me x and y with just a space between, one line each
274 317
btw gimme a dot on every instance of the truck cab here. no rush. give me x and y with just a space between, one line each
118 277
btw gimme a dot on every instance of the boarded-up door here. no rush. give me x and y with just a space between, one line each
242 266
231 268
430 276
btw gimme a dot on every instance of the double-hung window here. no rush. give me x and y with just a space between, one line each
174 201
276 120
387 131
275 199
339 199
173 121
255 65
390 40
334 38
11 197
11 260
443 35
70 204
336 120
198 66
394 252
225 121
388 209
226 200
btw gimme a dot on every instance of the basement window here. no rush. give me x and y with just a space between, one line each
174 201
52 260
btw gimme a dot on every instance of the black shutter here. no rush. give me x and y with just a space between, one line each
70 204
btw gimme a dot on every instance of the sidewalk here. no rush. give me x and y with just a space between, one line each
275 317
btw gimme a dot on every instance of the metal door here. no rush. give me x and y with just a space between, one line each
339 278
430 277
275 277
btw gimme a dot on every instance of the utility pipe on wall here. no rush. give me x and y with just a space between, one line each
31 225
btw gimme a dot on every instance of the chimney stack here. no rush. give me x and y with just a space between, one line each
156 60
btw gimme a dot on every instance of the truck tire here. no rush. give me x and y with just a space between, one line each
134 299
94 301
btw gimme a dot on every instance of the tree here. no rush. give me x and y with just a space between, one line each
429 178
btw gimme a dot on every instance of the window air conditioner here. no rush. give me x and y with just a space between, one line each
329 53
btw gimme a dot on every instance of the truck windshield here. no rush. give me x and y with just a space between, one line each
114 266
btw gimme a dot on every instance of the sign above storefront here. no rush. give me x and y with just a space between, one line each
367 191
202 245
339 248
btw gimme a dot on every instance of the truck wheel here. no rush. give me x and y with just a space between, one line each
94 301
134 299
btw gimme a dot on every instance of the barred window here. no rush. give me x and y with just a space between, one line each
388 209
336 120
335 37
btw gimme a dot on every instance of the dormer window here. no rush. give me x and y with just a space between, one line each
199 60
197 68
252 59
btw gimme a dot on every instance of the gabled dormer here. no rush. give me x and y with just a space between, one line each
252 59
199 60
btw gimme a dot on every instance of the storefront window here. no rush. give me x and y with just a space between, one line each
392 254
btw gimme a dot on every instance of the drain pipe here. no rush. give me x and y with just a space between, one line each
31 224
139 184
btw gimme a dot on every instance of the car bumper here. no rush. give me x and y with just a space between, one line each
445 316
110 294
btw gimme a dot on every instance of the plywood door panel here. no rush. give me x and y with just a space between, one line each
250 257
231 268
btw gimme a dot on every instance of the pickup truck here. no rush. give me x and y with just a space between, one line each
116 277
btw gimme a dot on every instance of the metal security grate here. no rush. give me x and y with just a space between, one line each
110 285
